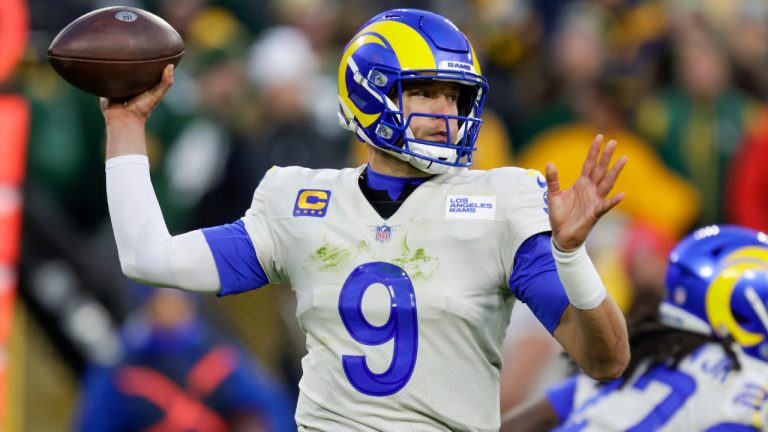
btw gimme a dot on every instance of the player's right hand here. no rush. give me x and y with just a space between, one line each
575 211
140 106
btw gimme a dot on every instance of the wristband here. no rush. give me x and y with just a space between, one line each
583 286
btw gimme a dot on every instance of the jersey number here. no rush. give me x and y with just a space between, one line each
682 387
401 326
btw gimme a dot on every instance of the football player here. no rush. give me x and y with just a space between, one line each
405 269
698 363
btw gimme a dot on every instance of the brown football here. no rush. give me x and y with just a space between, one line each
115 52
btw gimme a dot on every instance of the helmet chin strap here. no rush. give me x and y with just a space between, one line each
422 150
425 150
423 165
429 166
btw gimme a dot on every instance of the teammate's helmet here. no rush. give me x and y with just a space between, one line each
410 44
717 283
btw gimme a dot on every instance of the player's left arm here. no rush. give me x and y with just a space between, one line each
592 329
596 339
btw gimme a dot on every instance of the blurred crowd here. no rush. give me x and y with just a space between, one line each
680 84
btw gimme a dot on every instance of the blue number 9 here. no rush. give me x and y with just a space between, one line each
401 326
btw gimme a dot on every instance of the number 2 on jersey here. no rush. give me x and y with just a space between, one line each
402 326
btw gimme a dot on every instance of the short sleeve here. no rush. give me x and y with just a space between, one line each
525 211
258 224
530 212
535 282
235 256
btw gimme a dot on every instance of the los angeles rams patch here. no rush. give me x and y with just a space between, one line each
312 202
470 207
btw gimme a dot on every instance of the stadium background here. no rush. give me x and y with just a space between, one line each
681 84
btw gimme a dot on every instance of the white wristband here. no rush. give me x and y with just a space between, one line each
582 284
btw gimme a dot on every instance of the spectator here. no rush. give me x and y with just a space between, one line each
655 194
176 374
747 182
697 122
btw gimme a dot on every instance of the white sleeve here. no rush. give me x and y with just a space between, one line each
148 253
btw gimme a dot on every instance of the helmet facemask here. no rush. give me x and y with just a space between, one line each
433 156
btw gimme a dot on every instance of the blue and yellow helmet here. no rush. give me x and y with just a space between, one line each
410 44
717 284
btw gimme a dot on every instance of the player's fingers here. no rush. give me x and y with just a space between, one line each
168 73
594 149
605 186
604 162
611 203
148 100
553 181
165 82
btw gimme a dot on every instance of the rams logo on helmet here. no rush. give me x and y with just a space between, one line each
717 283
401 45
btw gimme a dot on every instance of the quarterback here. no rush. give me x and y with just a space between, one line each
405 269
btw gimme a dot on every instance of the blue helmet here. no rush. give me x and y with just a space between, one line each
717 284
410 44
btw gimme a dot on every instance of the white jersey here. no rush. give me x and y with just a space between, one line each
404 317
700 395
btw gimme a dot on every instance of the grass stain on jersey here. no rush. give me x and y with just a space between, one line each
332 255
417 264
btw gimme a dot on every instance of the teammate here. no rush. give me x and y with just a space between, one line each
686 373
405 269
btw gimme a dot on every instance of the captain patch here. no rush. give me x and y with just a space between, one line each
311 202
470 207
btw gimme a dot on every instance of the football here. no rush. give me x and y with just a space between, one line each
115 52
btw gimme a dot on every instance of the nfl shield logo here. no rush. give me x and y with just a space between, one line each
383 233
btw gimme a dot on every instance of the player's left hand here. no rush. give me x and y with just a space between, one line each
574 211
